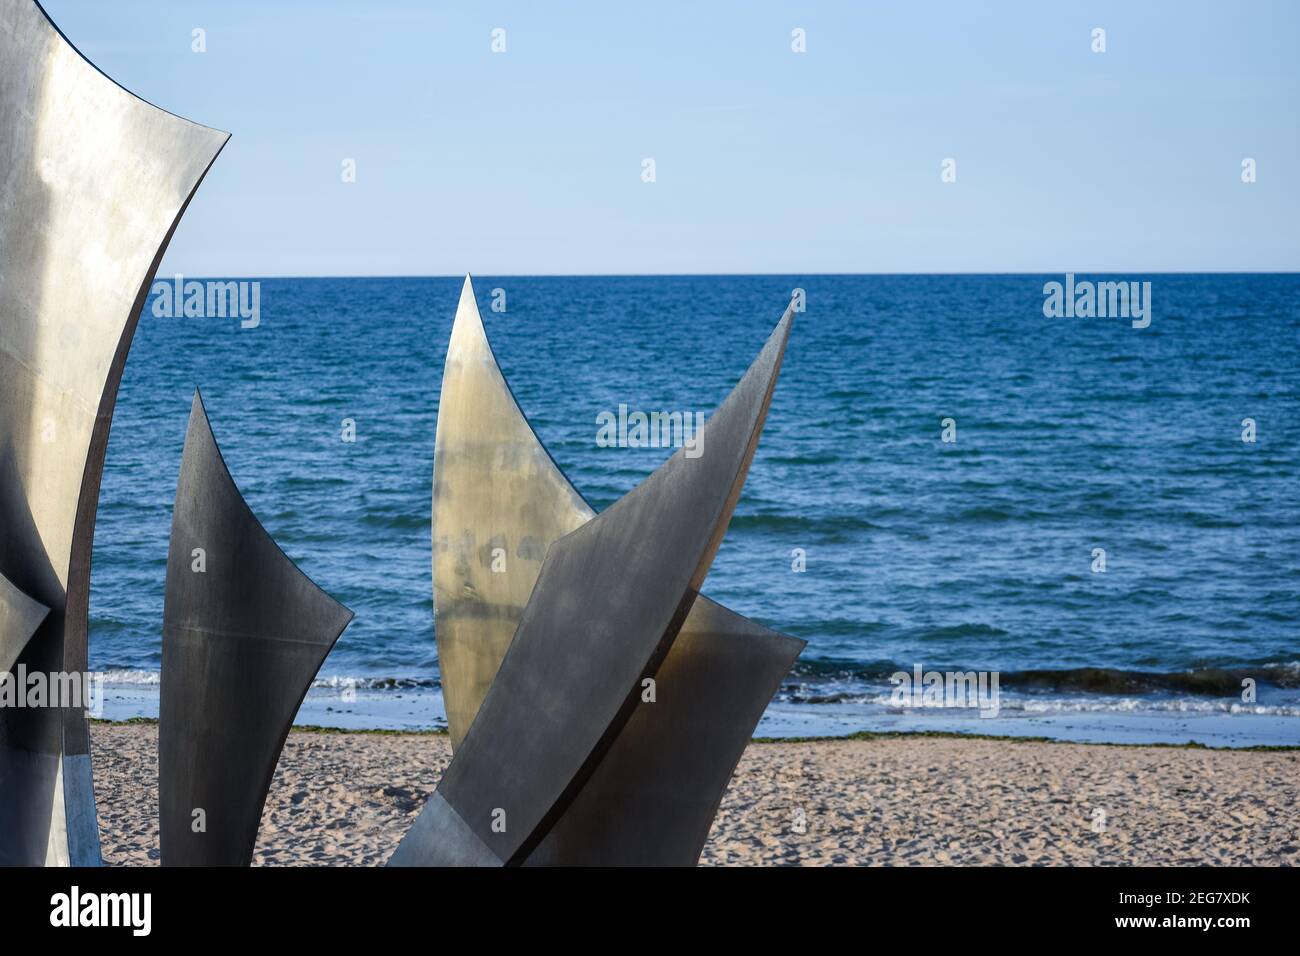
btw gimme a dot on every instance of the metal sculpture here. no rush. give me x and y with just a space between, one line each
94 183
563 762
20 616
244 634
499 502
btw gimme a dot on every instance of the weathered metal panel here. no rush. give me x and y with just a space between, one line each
93 181
244 633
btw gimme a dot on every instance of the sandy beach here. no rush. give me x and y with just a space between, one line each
347 798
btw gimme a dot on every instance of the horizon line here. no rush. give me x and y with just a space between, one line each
159 277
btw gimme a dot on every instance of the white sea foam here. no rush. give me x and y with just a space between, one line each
120 676
1058 705
804 695
1138 705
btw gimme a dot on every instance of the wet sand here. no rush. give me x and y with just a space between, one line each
346 799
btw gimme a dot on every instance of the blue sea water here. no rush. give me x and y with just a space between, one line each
1072 434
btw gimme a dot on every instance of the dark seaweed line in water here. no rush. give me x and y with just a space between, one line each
1209 682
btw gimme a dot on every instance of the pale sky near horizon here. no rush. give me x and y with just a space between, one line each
766 160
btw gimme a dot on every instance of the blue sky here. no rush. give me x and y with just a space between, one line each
766 160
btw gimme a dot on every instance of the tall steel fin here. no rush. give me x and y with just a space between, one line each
20 616
244 634
606 607
498 501
93 184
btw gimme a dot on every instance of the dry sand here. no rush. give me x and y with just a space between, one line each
348 798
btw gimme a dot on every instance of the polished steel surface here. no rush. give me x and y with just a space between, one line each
93 181
20 616
244 633
606 607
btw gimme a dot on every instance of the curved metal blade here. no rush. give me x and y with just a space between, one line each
244 633
652 799
94 183
606 606
20 616
499 500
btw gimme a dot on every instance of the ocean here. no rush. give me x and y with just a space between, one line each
1096 534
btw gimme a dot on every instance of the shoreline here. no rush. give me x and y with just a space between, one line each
856 735
1118 721
345 797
